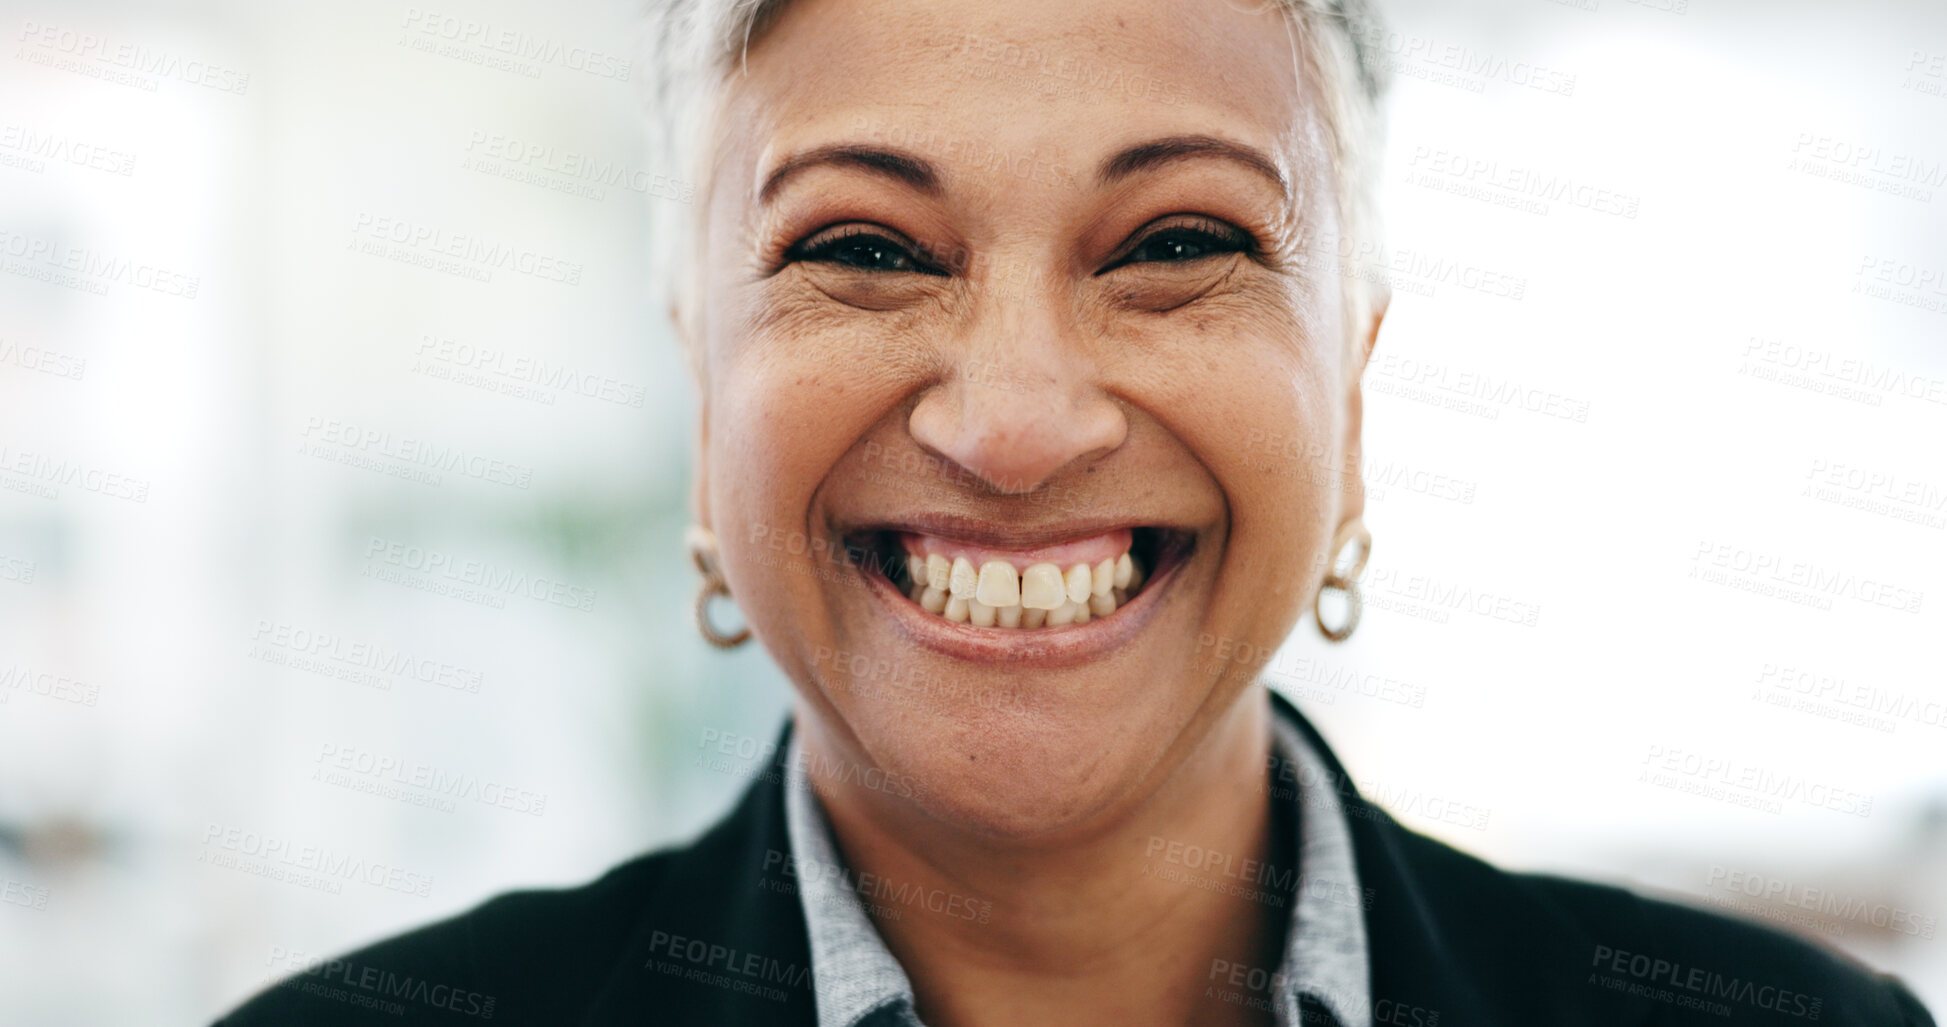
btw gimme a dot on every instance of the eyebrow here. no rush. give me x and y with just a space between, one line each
921 174
894 164
1160 152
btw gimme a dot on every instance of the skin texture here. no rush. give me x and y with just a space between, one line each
1039 381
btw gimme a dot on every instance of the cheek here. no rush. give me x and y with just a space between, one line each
764 469
1283 472
803 376
1289 443
1251 383
774 430
1248 381
790 395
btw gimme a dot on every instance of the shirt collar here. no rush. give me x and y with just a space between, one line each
852 973
1325 954
858 983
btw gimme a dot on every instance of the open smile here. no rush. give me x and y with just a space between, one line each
1051 597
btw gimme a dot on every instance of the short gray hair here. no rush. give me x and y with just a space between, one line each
693 45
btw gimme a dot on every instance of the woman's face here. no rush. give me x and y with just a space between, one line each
1023 283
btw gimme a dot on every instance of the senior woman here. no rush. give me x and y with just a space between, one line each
991 305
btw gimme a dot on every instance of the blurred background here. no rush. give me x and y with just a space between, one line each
344 464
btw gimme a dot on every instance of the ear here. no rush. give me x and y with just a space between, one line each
1365 337
1377 301
684 331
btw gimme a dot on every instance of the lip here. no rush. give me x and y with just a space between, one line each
990 535
1064 646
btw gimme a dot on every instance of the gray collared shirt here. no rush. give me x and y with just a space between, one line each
859 984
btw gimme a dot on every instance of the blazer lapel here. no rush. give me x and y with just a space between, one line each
722 939
1411 969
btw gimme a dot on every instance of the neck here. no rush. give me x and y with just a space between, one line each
1142 916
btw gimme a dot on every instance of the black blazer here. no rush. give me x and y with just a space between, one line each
712 933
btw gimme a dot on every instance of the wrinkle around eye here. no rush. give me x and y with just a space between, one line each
806 301
1162 286
877 291
1235 304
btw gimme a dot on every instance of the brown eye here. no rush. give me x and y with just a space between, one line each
862 248
1180 243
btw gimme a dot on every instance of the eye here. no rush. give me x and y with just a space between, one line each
862 247
1183 241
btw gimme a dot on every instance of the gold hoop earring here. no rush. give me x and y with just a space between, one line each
1352 532
703 552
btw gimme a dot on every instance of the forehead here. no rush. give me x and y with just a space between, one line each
1039 88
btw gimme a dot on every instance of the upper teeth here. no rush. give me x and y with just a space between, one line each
997 594
999 585
1041 586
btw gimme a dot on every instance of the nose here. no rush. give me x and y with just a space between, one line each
1021 401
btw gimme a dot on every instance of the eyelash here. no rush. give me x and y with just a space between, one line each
824 247
1216 237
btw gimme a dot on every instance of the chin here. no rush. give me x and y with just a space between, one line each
1003 779
1019 733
